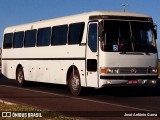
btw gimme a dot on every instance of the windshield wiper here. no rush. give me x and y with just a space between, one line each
131 37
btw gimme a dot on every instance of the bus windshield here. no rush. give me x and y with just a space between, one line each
128 36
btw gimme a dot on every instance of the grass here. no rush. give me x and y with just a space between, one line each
5 107
14 107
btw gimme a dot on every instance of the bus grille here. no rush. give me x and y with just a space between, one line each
133 70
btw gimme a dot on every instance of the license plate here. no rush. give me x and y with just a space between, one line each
132 81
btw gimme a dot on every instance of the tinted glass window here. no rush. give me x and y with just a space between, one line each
30 38
59 35
128 36
75 33
92 37
18 39
43 38
8 40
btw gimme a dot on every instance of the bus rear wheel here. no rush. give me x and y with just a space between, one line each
75 83
20 77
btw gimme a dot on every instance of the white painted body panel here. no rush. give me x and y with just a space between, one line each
50 71
115 59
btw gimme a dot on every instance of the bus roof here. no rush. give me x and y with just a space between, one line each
70 19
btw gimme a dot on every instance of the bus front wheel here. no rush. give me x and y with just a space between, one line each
20 77
75 83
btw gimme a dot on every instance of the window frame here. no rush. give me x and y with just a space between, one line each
22 41
33 30
72 41
4 41
52 38
38 40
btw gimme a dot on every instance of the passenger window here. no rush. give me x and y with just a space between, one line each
43 37
8 40
30 38
59 35
92 37
18 39
75 33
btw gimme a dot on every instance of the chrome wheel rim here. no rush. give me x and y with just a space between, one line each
75 83
20 76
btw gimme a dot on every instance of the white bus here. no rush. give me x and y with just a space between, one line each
94 49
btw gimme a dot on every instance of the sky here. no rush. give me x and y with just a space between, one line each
15 12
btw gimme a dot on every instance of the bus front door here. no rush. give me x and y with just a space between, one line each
92 55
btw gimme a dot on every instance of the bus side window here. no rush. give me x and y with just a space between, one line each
8 40
30 38
92 37
43 37
18 39
75 33
59 35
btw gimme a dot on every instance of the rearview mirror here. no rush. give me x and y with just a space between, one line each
155 31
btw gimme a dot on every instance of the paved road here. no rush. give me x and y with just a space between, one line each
99 104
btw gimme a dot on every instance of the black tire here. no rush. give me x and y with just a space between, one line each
75 83
20 77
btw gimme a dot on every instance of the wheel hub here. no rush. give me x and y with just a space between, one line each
20 76
75 83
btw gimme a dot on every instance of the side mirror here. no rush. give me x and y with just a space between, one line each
155 31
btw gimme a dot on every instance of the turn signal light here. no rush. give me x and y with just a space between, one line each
109 70
103 70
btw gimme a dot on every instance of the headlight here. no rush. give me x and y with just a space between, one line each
152 70
109 70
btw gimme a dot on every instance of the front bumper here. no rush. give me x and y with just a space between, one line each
129 77
141 80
